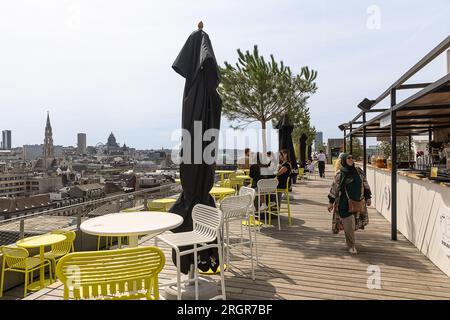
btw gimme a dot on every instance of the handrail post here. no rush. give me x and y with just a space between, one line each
78 219
146 201
22 229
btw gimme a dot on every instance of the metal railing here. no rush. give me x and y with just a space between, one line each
19 227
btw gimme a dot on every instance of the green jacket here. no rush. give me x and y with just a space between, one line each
361 218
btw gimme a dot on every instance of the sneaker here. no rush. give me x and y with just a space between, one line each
353 250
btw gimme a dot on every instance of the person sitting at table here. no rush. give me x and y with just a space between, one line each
284 172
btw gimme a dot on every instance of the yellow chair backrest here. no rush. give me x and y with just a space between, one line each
152 206
66 245
14 256
112 274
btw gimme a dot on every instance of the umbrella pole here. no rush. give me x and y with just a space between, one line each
191 273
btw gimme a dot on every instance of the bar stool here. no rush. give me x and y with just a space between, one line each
250 221
207 228
267 188
237 208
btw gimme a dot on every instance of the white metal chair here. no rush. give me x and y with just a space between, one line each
267 188
236 208
207 228
250 221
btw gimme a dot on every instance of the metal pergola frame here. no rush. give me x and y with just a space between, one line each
415 115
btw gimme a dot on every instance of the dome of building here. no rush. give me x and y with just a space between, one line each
111 141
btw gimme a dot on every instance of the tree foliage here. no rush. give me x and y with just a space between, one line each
357 149
402 149
256 90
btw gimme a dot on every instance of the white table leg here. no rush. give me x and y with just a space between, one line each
133 241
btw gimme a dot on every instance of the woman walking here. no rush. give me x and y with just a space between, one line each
348 200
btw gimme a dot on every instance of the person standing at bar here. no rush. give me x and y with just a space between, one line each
349 183
322 158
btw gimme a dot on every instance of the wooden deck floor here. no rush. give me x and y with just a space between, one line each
307 261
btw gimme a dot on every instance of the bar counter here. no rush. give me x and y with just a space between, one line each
423 211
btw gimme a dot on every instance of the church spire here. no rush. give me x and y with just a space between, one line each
48 140
48 121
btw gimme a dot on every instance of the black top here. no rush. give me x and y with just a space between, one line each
351 187
282 179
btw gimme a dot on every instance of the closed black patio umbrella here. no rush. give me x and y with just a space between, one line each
310 152
285 128
303 139
201 104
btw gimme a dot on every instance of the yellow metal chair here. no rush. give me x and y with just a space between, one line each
301 173
112 275
60 249
285 191
234 182
17 259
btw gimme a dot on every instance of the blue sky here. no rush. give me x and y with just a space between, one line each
102 66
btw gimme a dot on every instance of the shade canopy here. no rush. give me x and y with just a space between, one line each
201 109
426 110
309 152
303 139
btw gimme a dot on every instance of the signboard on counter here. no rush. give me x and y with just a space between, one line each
444 216
434 172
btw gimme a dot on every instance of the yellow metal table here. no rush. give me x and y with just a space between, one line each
163 203
221 192
40 242
244 177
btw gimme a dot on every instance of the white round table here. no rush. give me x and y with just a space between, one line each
131 224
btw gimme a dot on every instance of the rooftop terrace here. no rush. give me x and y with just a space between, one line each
307 261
